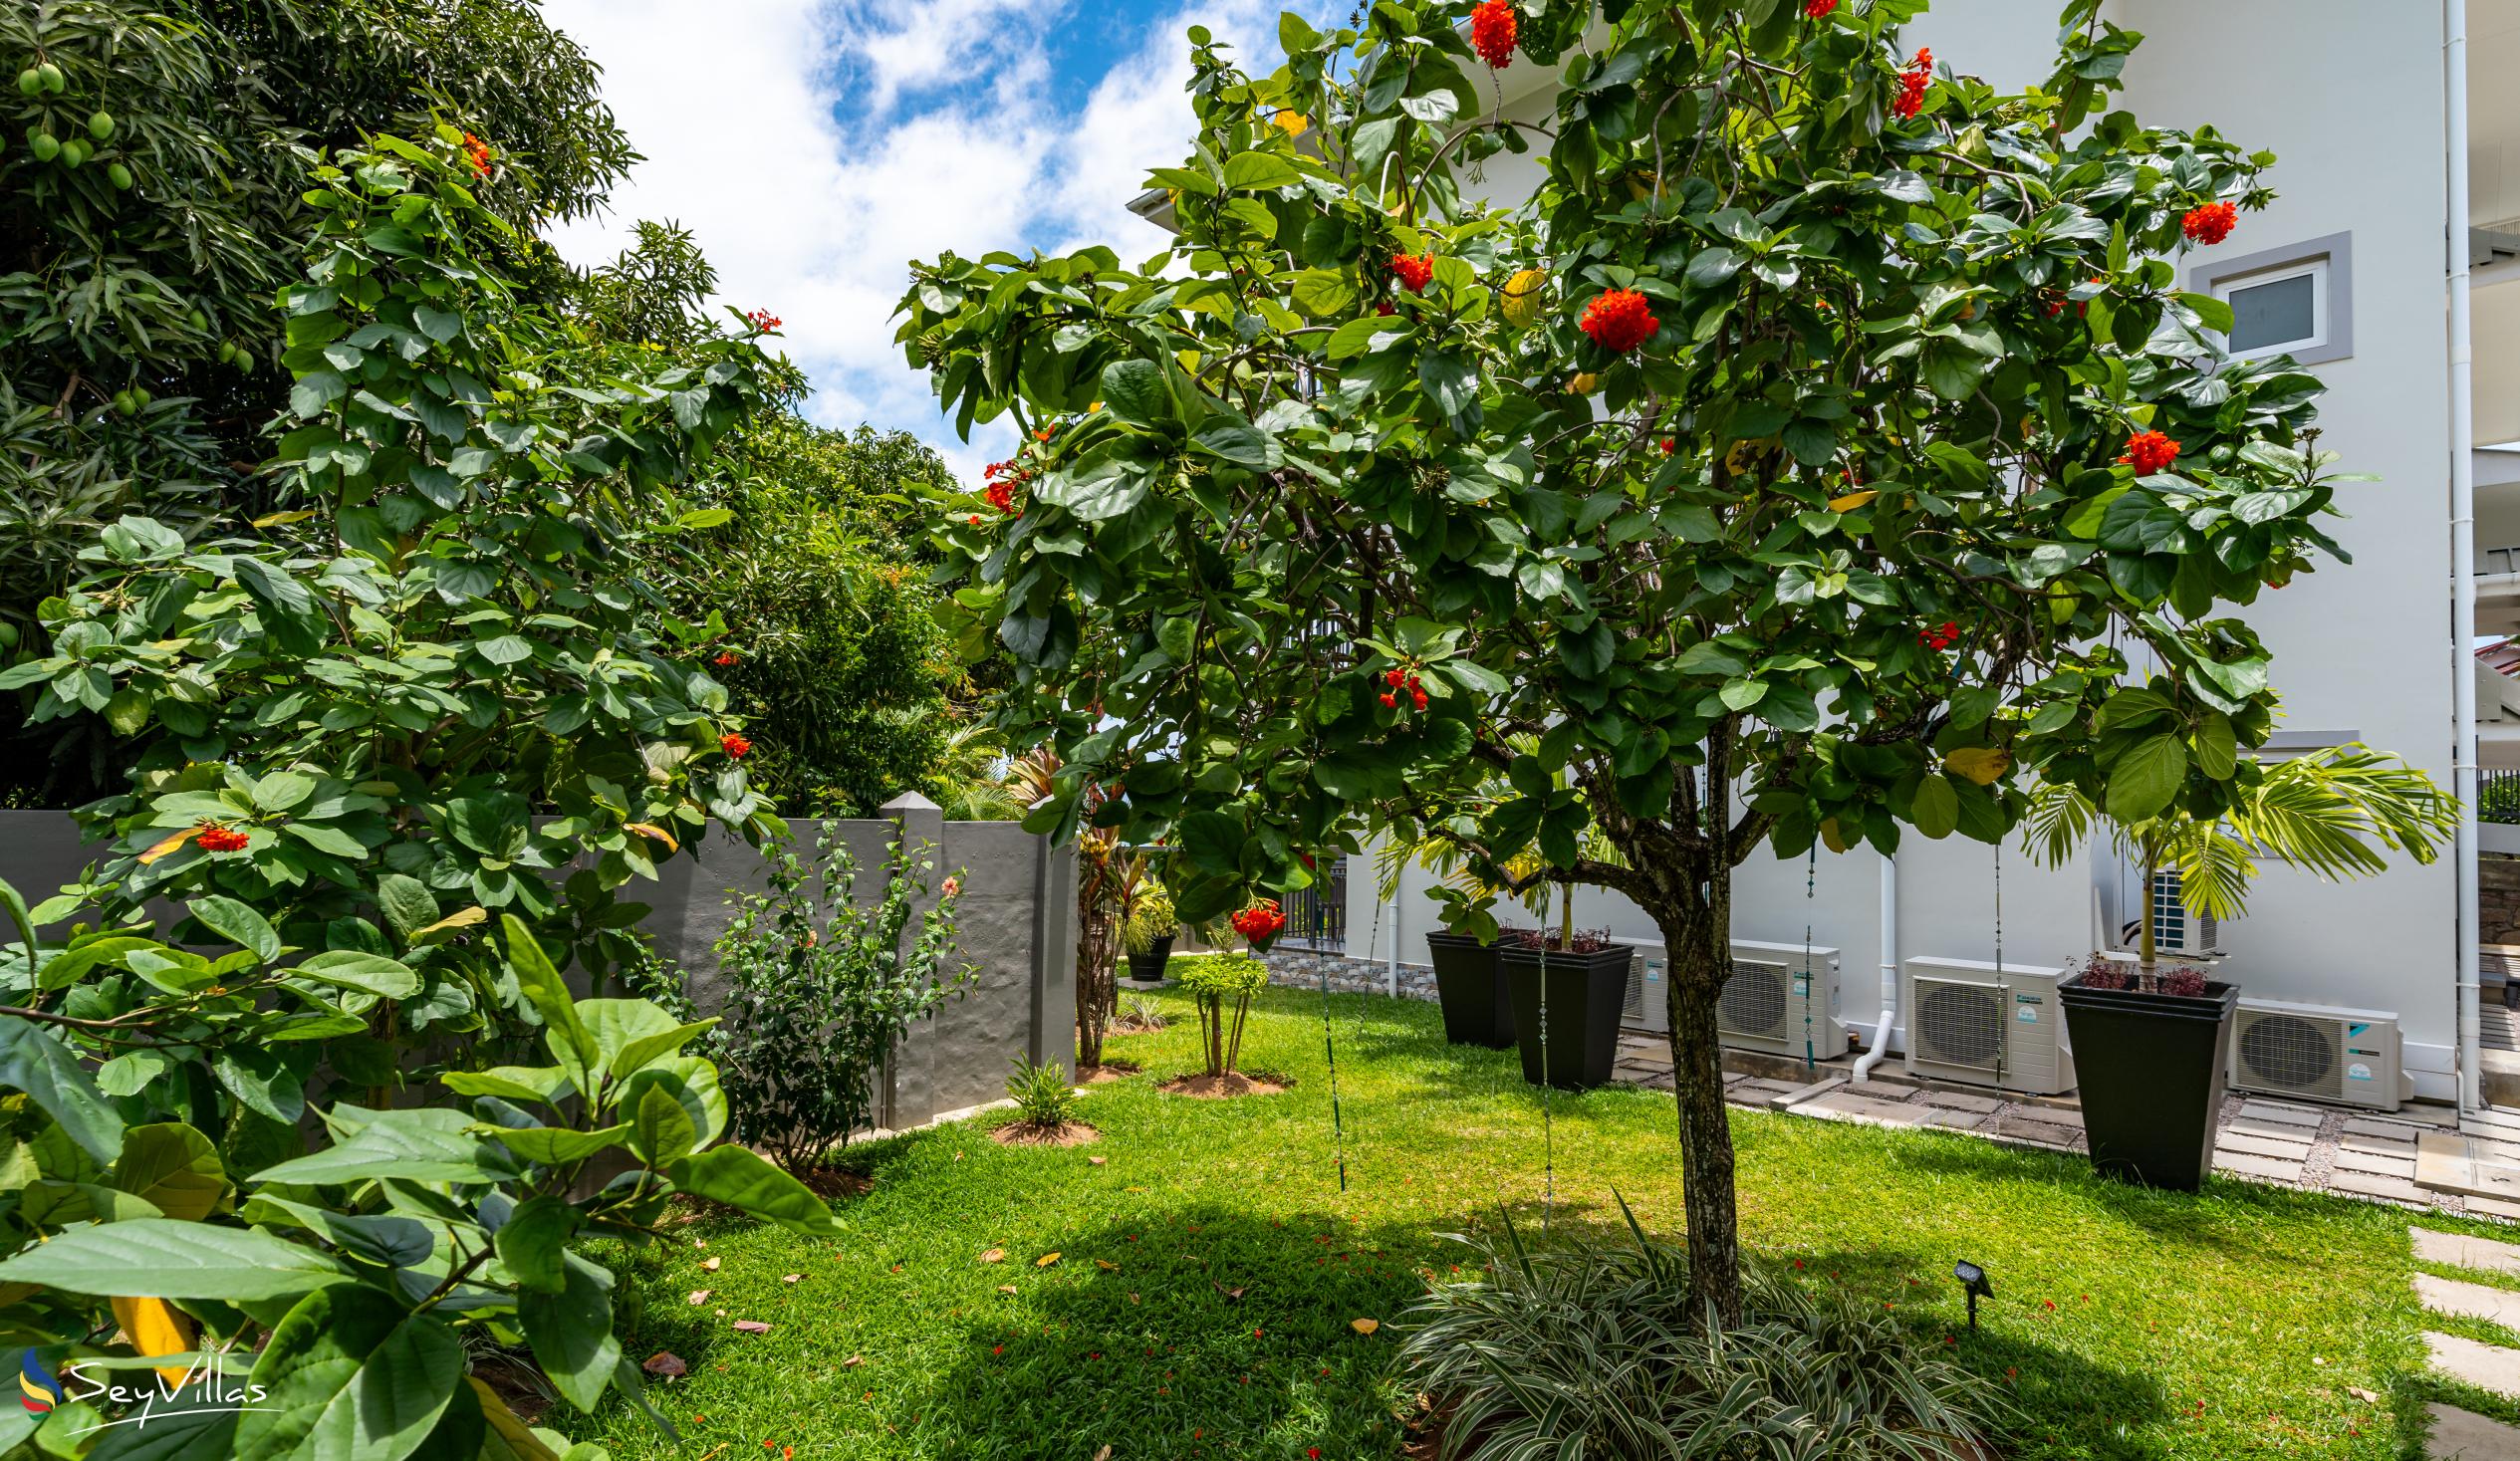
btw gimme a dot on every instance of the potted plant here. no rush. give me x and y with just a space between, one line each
1148 934
2153 1047
1569 988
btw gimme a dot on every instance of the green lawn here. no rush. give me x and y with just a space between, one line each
2126 1323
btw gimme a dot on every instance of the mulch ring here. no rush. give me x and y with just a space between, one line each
1232 1083
1029 1134
1107 1070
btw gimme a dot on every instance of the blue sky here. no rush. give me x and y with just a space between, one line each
815 146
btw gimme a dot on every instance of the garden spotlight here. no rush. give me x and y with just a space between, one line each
1972 1282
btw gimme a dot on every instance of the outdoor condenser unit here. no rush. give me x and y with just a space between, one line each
1648 1007
2319 1052
1764 1004
1971 1023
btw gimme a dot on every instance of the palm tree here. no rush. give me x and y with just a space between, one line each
974 779
2334 813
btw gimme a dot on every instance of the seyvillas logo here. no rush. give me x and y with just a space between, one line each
39 1389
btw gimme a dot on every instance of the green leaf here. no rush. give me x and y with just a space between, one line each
554 1145
660 1130
544 1084
630 1033
407 902
2147 778
238 925
1323 291
690 1083
742 1179
2218 748
353 969
349 1373
1135 392
1742 694
533 1243
173 1168
52 1078
421 1144
542 987
164 1257
1937 809
1260 170
571 1332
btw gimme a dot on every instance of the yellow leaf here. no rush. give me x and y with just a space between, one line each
514 1433
993 1255
1851 500
1980 764
1046 1260
653 834
274 520
168 846
463 919
1523 296
154 1326
1585 383
1006 1287
1835 835
1364 1326
1106 1265
1291 121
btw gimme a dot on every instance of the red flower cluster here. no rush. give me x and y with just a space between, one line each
723 659
2210 225
216 839
1670 444
1398 683
1492 28
763 319
479 152
1260 924
1618 320
1938 636
1412 271
2148 452
735 745
1003 478
1912 83
1819 9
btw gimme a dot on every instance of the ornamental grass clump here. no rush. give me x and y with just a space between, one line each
1045 1107
1598 1349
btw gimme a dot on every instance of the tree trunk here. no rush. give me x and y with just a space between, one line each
1695 919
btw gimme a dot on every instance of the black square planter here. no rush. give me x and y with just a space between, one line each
1586 991
2151 1069
1471 988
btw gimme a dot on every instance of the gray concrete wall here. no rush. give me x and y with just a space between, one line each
1017 928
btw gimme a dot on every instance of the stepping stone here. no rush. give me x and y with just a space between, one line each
2449 1163
2378 1146
2265 1168
2379 1163
2373 1184
1793 1096
2261 1145
2464 1435
1962 1100
2289 1115
2469 1301
2371 1126
1952 1119
1844 1106
2486 1366
2271 1131
2459 1250
2491 1207
2032 1129
2054 1115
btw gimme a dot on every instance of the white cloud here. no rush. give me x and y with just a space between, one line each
816 148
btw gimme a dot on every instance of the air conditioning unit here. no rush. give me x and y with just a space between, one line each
1648 1006
2176 933
1978 1025
2319 1052
1781 998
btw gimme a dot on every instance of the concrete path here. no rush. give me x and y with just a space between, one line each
2456 1434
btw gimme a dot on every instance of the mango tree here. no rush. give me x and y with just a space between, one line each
1806 459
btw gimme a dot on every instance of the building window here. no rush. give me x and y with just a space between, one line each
2295 302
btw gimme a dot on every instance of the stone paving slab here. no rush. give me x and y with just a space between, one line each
2281 1114
2271 1131
2469 1301
1951 1119
2464 1435
1847 1105
1962 1100
2376 1127
2379 1163
2486 1366
2459 1250
2267 1168
2262 1145
2374 1184
2018 1126
2351 1140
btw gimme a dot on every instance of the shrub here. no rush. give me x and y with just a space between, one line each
1598 1350
1044 1099
1222 985
820 990
1140 1014
1150 920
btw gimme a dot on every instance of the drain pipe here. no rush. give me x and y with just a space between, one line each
2463 560
1392 965
1889 968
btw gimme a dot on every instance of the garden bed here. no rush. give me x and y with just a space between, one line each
1224 1088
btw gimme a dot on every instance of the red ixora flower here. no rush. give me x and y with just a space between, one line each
1412 271
1260 924
1618 320
1001 495
216 839
735 744
1819 9
478 151
763 319
1492 28
1911 84
2150 452
2210 225
723 659
1938 636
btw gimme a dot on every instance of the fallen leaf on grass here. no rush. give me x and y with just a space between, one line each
2368 1397
791 1278
1106 1265
993 1255
852 1361
1104 1454
665 1363
1097 1160
711 1262
1133 1298
751 1326
1006 1287
1364 1326
1046 1260
1231 1295
698 1298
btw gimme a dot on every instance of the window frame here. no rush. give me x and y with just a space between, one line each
2329 263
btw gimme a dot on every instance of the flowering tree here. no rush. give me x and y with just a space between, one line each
1801 462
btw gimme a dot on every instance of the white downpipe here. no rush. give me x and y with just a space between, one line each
1391 962
2462 557
1889 969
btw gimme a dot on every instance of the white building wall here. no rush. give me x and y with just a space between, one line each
2349 96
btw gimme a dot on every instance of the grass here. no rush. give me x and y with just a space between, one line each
2126 1323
